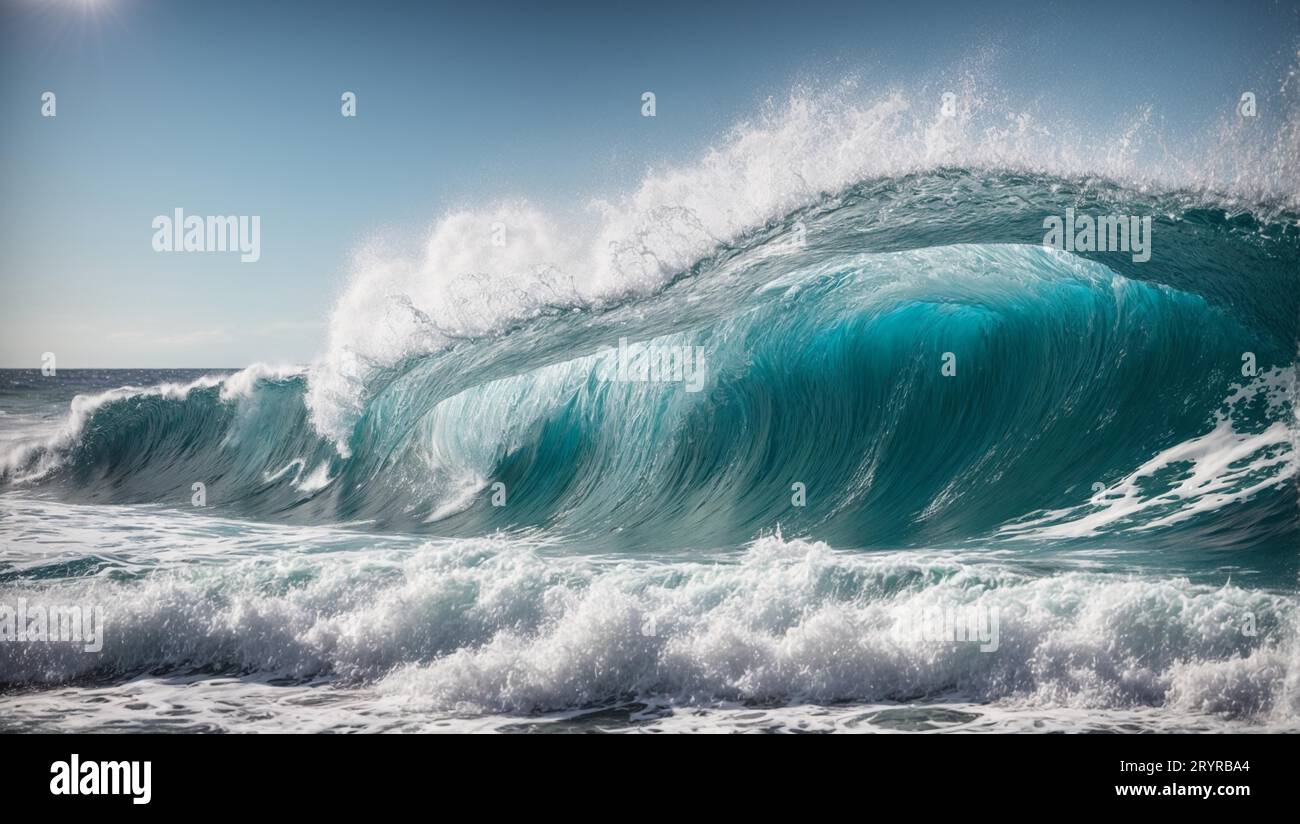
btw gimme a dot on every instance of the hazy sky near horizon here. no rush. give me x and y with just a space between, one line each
234 108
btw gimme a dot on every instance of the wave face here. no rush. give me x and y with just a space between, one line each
1091 398
476 505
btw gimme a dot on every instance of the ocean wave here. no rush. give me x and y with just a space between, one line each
825 260
830 375
816 146
473 503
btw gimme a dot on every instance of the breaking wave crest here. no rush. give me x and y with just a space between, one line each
887 358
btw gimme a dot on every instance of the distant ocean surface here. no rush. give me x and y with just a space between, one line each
1099 477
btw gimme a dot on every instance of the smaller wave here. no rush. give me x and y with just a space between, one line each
35 458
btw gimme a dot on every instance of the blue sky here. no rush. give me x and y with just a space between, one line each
233 108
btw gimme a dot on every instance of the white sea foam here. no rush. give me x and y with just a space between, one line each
316 480
499 626
295 466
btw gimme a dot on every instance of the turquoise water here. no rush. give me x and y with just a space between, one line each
1098 471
